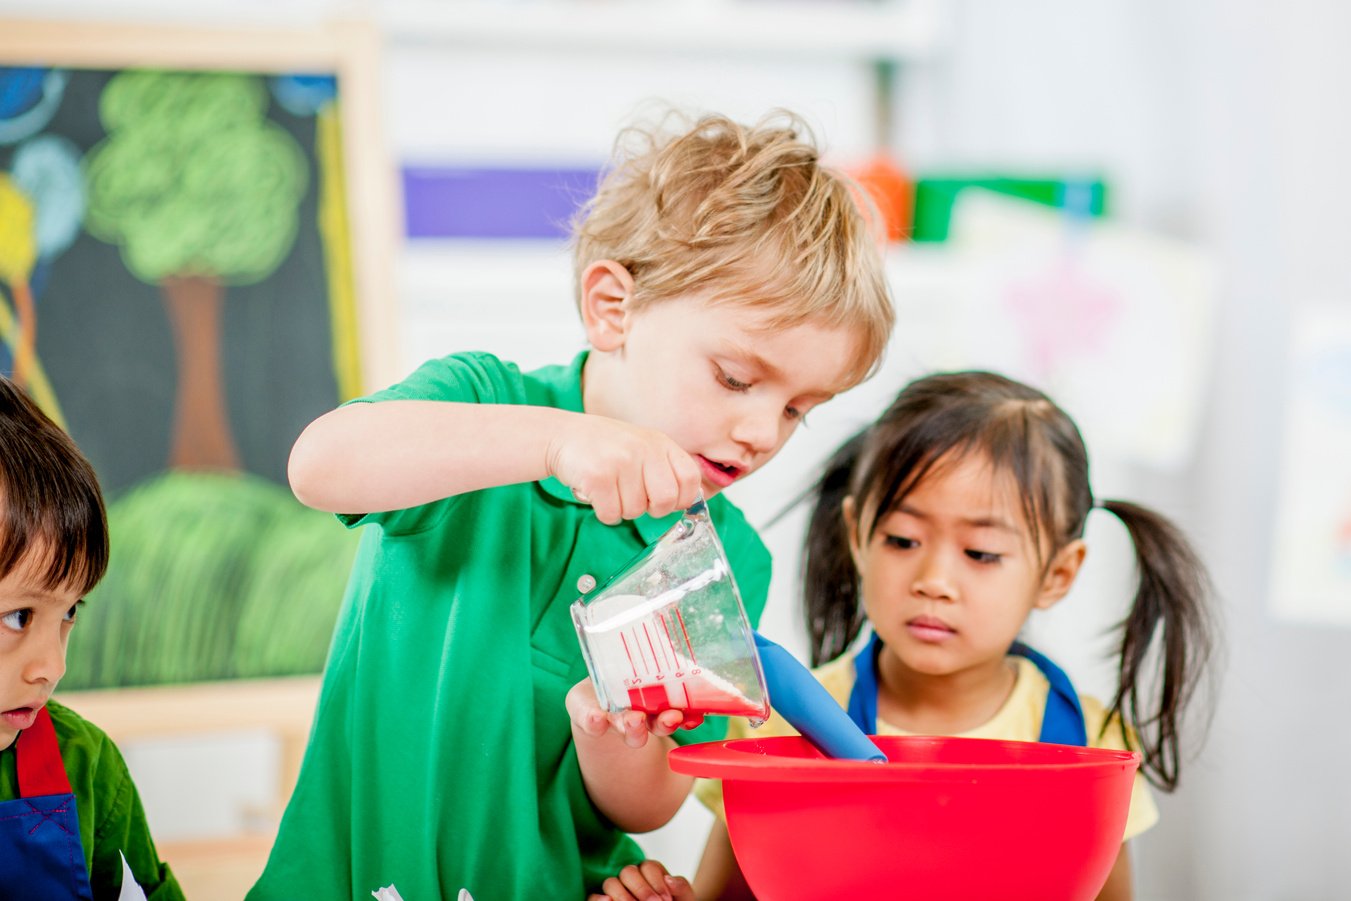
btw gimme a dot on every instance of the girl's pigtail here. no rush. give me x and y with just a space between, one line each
1173 597
830 589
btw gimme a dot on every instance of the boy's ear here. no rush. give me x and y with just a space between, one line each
1060 575
605 286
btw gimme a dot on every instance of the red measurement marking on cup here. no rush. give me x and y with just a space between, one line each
667 651
670 644
656 664
632 665
680 619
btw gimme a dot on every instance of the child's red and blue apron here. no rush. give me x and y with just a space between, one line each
1061 724
40 849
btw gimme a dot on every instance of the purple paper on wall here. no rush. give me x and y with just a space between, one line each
462 202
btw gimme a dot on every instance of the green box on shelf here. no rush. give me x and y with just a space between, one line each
934 198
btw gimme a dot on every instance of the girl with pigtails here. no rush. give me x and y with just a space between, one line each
942 527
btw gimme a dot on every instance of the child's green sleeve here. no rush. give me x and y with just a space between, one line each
121 829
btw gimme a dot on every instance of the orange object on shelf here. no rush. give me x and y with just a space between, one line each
892 190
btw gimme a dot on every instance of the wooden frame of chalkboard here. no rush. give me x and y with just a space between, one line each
194 233
259 688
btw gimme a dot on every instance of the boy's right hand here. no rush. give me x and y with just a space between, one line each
623 470
647 880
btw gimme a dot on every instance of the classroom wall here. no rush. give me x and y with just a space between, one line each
1230 135
1219 122
1273 178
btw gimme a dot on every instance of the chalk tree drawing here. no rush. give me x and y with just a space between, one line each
200 191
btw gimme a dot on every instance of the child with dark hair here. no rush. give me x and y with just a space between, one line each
71 823
943 526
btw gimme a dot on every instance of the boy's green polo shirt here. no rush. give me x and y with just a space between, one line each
109 808
441 756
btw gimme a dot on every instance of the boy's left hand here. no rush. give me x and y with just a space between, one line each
633 726
644 882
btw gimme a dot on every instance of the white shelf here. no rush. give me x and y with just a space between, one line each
877 30
874 30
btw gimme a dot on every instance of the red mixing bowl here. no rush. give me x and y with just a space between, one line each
944 818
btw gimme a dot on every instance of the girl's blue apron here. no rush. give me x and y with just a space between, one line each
1061 724
40 850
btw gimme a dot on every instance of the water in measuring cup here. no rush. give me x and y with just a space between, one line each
650 658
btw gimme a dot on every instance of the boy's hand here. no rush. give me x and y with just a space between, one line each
634 726
647 880
623 470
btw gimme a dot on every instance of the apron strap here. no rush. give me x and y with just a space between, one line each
38 757
1062 723
863 698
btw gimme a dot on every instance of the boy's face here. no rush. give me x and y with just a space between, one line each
716 378
35 623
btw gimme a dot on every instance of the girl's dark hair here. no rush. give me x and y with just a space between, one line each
1024 433
50 502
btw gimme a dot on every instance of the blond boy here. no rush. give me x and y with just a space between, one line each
727 283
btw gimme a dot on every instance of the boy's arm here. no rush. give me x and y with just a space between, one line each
121 829
623 761
719 874
396 454
1119 884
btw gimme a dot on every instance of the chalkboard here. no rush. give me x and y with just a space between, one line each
180 288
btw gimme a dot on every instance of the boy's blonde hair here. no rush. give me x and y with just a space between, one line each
747 214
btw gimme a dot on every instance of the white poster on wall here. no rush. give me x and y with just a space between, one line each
1311 569
1114 323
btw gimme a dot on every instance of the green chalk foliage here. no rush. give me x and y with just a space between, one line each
192 180
212 576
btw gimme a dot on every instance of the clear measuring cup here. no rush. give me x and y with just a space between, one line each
669 630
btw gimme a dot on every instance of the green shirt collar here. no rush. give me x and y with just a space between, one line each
561 388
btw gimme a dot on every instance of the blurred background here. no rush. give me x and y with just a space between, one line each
1138 206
